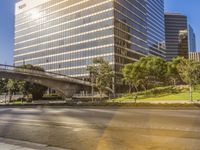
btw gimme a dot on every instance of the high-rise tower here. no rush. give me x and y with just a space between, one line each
156 27
64 36
192 40
177 35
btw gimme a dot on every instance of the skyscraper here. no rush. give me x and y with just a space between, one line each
192 40
156 27
180 38
64 36
130 32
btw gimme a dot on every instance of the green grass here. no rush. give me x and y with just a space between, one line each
178 96
18 102
163 94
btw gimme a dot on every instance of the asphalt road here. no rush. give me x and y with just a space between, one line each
103 129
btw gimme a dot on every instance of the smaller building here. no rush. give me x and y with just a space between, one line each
180 37
194 56
192 39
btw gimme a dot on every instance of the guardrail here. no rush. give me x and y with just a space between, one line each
47 74
20 69
43 73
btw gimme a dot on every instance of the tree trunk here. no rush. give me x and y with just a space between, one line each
191 97
136 96
174 82
100 95
144 87
6 97
10 96
130 88
113 87
92 93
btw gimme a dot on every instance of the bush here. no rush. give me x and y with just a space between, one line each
52 97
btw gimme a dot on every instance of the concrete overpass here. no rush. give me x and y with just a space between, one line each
65 85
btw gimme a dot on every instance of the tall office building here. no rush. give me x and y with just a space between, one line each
64 36
130 31
156 27
180 38
192 40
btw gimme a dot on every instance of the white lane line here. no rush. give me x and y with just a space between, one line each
77 130
31 124
55 122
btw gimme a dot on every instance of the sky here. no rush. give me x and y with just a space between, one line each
186 7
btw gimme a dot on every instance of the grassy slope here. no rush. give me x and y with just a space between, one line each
179 96
164 93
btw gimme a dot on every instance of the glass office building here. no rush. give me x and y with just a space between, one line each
192 39
130 31
177 41
156 27
64 36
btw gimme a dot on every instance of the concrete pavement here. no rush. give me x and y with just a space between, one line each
103 129
8 144
4 146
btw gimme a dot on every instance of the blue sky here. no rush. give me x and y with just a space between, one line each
187 7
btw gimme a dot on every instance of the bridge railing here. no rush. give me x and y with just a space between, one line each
46 74
37 72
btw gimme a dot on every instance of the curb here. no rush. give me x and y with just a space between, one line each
110 105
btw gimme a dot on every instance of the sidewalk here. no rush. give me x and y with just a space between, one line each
8 144
168 102
4 146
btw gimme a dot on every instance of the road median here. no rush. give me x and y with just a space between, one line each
141 104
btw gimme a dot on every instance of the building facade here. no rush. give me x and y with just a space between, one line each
156 27
64 36
192 40
130 32
180 37
194 56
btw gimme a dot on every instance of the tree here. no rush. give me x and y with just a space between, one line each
172 70
190 73
153 69
127 76
102 74
12 87
132 76
24 89
148 71
37 91
3 83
